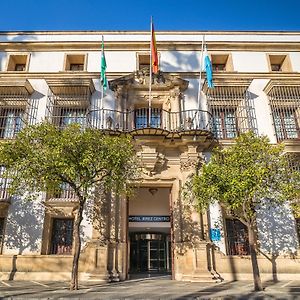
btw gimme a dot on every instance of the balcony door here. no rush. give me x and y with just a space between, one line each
141 118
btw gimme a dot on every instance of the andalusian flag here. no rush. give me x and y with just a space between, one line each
154 56
103 68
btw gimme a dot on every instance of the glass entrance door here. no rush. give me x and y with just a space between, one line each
150 253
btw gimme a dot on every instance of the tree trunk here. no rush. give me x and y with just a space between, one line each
77 247
253 253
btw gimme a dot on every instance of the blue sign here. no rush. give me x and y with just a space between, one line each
215 234
149 218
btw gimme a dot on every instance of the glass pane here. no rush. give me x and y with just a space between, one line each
62 236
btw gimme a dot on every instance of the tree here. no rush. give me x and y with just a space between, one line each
43 157
240 178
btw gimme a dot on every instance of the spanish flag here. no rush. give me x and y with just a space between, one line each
154 56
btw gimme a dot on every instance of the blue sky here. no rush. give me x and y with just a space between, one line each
135 15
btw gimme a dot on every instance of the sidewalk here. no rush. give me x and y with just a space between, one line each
149 288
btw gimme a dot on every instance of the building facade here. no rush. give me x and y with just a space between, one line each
54 76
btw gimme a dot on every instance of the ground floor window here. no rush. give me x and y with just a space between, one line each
62 236
298 228
2 220
237 237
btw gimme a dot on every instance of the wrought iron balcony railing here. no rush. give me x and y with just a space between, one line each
127 121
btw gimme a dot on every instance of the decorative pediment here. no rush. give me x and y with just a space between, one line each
140 79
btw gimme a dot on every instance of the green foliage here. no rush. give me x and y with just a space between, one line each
242 175
43 157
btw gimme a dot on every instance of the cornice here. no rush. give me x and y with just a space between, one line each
279 76
279 82
70 46
58 85
15 85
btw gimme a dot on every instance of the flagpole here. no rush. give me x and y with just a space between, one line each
150 74
102 87
200 76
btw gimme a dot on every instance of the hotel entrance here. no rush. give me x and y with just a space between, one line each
150 252
149 232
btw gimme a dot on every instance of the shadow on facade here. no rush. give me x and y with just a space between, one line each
276 233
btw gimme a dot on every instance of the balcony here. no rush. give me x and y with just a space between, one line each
152 121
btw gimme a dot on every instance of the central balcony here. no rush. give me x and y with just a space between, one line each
152 121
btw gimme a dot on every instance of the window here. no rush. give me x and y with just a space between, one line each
17 63
279 63
298 228
237 237
75 62
143 61
4 184
285 123
221 62
72 115
11 122
2 222
76 67
142 117
224 123
62 236
65 192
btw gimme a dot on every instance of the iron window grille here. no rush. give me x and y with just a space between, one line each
16 111
62 236
237 237
2 222
232 111
71 105
285 107
141 116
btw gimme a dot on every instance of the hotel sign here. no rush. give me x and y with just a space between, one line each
149 218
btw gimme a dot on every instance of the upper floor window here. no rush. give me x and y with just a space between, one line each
221 62
279 63
72 115
143 61
18 62
141 116
11 122
224 123
286 125
75 62
285 107
237 237
62 236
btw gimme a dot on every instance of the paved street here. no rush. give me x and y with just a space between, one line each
150 288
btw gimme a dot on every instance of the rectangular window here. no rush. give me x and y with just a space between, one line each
75 62
224 123
279 63
142 118
285 123
143 61
4 184
76 67
298 228
237 237
62 236
73 115
221 62
11 122
65 192
2 222
17 62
